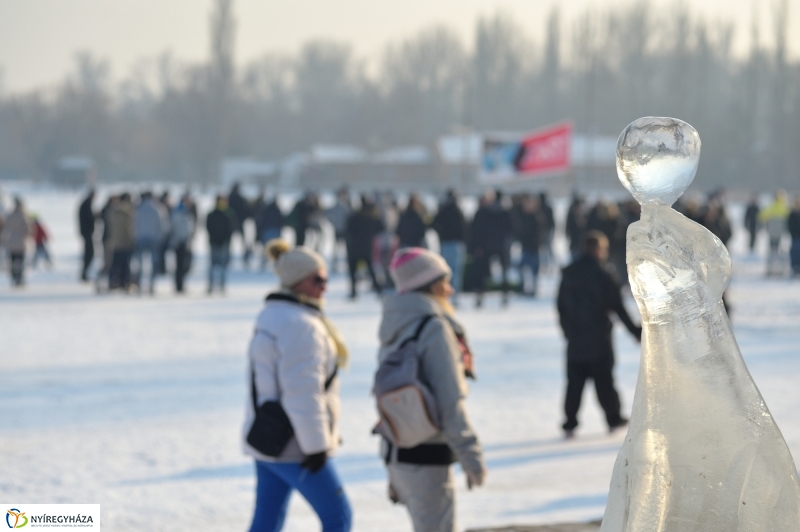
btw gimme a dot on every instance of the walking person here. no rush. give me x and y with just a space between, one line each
300 216
490 237
220 226
182 225
165 206
363 226
121 242
411 226
105 239
86 223
294 356
337 215
451 226
40 239
269 221
793 224
150 227
751 221
239 205
421 477
575 225
774 218
548 230
529 232
586 297
14 238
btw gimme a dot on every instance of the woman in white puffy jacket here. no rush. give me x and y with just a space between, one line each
294 355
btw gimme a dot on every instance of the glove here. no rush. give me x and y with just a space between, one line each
475 479
315 462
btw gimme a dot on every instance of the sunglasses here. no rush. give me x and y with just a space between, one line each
319 280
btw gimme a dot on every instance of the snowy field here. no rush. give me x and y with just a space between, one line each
136 403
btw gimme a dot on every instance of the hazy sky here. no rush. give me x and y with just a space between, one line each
38 38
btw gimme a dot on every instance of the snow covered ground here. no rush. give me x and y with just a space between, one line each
136 403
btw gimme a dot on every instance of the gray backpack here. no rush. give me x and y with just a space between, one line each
407 408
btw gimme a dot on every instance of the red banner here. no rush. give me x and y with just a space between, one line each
545 151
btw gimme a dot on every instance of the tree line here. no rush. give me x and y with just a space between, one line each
171 120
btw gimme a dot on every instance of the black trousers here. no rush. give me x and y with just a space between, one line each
352 263
119 275
482 269
16 262
88 255
181 265
601 372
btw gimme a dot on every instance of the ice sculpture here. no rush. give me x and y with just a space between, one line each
702 451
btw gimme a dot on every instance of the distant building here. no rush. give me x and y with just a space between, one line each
75 171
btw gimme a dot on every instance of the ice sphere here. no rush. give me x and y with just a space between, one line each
657 159
702 453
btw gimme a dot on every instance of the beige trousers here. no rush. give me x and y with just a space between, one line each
428 493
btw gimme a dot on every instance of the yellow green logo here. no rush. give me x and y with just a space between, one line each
16 515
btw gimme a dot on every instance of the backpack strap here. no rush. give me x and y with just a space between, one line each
418 330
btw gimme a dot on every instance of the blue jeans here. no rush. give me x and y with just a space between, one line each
151 247
454 252
323 490
530 259
219 261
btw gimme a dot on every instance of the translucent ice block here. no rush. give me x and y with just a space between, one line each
702 451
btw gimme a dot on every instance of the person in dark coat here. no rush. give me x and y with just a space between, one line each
587 295
86 222
751 220
105 238
605 217
714 219
221 223
300 217
528 230
163 247
363 226
241 208
450 225
411 227
794 231
490 235
575 225
269 222
548 230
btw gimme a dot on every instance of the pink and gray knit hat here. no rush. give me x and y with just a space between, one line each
413 268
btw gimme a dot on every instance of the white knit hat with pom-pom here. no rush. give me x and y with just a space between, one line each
292 265
413 268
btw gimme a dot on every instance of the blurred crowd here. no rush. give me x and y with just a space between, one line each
502 246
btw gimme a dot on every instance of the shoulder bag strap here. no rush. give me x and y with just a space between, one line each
329 380
253 387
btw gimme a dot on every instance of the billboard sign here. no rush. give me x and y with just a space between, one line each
536 154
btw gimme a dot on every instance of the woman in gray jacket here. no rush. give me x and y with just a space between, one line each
294 355
421 477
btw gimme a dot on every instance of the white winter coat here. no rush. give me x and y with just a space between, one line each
293 355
